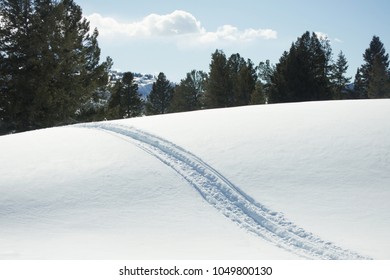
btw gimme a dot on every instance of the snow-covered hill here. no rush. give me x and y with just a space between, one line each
288 181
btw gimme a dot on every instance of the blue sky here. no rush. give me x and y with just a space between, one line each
176 36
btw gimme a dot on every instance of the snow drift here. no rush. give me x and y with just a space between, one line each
305 180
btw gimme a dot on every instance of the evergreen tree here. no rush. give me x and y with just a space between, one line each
235 65
358 89
338 80
379 85
278 91
188 95
125 101
265 72
258 96
115 108
376 56
302 74
15 49
95 109
243 78
51 64
231 81
219 85
160 97
133 102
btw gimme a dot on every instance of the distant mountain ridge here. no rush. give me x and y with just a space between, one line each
144 81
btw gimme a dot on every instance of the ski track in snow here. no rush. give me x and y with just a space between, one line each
227 198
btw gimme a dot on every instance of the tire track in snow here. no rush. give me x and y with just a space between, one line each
218 191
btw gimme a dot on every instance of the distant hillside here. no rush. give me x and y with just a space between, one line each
144 81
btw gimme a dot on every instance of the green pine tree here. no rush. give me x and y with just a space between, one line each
265 72
188 95
17 62
379 85
302 74
51 64
231 81
115 108
375 54
243 79
359 88
219 93
125 101
159 99
258 96
278 91
338 80
133 101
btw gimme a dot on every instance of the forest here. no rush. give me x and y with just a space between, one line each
51 73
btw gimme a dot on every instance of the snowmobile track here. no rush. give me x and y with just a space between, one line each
227 198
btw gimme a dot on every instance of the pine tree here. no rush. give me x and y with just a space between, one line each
258 96
51 63
219 93
265 72
302 74
338 80
279 91
243 78
235 65
115 105
160 97
188 95
125 101
15 49
231 81
375 54
379 85
358 88
133 102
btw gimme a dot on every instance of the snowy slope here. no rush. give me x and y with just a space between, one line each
289 181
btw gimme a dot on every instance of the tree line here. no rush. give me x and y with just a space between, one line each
307 72
51 73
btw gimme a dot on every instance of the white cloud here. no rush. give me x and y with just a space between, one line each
259 33
233 34
176 24
322 36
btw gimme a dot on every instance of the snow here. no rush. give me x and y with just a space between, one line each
288 181
145 84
